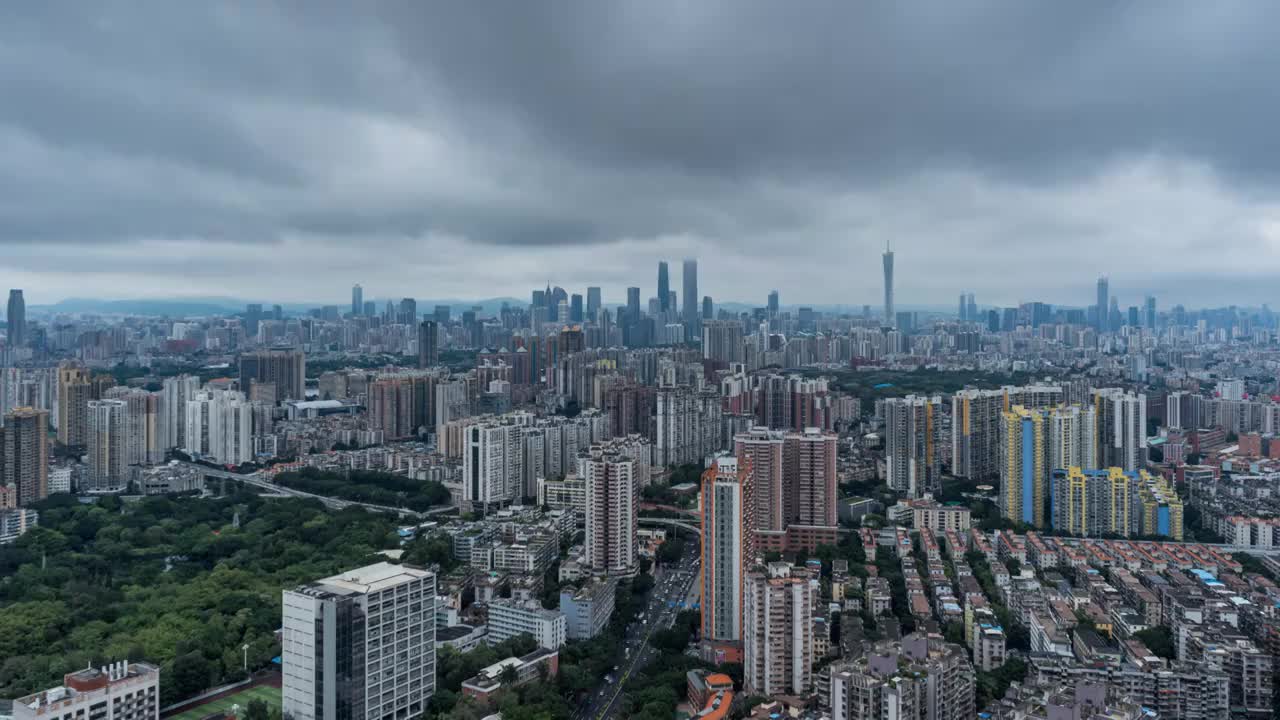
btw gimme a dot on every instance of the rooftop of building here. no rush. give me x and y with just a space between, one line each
90 680
372 578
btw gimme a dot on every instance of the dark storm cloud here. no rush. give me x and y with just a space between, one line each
496 143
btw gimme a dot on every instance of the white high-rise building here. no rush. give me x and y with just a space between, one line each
493 462
1070 443
143 443
177 391
106 443
724 547
360 645
912 434
1122 429
612 511
219 427
777 633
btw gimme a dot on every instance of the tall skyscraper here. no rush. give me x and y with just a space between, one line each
408 312
724 538
974 432
106 442
372 627
220 427
357 300
964 308
759 454
722 341
777 633
252 317
593 303
612 511
690 277
24 454
575 308
1024 474
912 434
73 397
1103 304
493 464
428 344
773 304
809 478
888 286
664 287
286 368
633 304
708 309
1149 312
1091 502
16 319
1122 428
143 425
1070 437
176 392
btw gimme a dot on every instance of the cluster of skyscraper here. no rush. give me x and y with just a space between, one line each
776 493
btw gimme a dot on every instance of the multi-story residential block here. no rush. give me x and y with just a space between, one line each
916 678
940 518
120 691
74 391
567 493
587 609
1092 502
511 618
777 632
15 522
360 644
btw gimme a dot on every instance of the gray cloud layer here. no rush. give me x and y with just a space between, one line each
478 149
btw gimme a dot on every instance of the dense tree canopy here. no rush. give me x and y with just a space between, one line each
368 486
172 581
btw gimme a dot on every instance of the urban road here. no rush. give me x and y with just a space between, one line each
675 588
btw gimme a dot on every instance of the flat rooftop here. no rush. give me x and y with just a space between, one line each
373 578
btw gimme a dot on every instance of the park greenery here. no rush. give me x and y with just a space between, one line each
181 582
368 486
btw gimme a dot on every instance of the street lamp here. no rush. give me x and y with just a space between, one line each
245 648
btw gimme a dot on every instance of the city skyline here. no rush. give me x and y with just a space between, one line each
461 172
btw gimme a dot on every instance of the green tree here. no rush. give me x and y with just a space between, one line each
1159 639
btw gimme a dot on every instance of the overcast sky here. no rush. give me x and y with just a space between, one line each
284 150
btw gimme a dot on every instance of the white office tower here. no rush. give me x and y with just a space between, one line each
777 634
220 427
106 433
493 462
1122 429
612 511
724 547
1071 438
360 645
176 392
912 433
